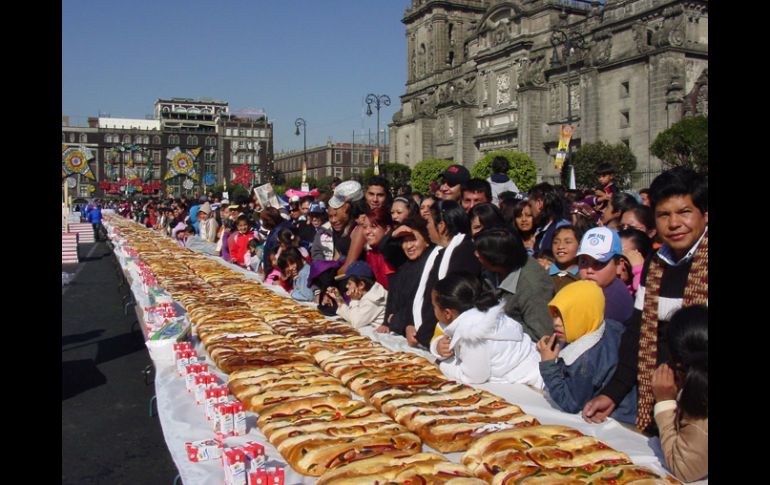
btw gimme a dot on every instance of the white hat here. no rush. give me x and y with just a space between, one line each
601 243
347 191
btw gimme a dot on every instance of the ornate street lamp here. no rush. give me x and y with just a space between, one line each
382 99
301 122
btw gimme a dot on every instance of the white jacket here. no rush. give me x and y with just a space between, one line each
370 309
490 347
498 188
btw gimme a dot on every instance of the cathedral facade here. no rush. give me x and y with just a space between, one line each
487 75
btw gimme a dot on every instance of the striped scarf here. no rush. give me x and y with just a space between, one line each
695 292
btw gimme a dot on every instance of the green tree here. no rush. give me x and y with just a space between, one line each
397 175
588 156
685 144
426 172
523 170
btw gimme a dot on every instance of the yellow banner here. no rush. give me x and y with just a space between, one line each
565 135
376 161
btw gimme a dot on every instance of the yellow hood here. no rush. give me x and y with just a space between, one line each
581 305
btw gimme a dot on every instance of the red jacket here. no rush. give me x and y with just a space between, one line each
238 243
380 267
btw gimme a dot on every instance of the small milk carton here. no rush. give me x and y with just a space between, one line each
223 419
234 464
180 346
203 450
239 419
213 397
203 381
182 360
266 476
255 453
191 371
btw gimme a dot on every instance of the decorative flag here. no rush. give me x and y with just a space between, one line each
209 179
572 184
565 134
182 163
376 161
304 172
75 160
242 175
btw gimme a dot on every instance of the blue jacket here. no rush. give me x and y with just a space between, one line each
94 216
272 242
194 218
572 386
301 292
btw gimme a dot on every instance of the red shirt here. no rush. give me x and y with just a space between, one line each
238 243
380 267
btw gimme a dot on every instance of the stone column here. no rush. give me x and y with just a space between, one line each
531 118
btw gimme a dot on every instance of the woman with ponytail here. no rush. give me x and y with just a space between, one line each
480 342
681 395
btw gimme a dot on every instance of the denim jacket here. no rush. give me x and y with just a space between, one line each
572 385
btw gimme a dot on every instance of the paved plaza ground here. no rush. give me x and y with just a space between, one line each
108 435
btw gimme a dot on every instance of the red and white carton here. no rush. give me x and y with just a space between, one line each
234 463
203 381
223 419
255 452
191 371
267 476
185 358
239 419
203 450
214 395
180 346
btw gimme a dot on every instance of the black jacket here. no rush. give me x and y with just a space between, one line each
463 260
402 287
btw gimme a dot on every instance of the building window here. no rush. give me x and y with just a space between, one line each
156 140
72 138
83 138
192 140
173 140
127 139
338 156
228 132
338 172
625 118
210 141
625 89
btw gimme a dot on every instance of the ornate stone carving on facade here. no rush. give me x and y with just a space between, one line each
450 127
672 32
467 95
503 88
555 101
697 100
575 97
532 72
601 50
485 88
501 33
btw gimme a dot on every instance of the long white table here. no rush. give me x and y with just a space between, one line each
183 421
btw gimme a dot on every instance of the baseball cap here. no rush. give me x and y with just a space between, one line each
347 191
317 208
456 174
601 243
357 268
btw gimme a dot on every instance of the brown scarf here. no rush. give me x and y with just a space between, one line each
695 292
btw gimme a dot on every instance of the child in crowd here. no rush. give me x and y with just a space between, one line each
401 209
605 175
575 374
274 277
636 246
253 256
295 270
480 342
564 269
287 239
367 297
239 240
681 392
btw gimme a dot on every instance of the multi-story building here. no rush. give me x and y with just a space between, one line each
491 74
343 160
247 140
130 155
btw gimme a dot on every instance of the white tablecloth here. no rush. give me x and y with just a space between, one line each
183 421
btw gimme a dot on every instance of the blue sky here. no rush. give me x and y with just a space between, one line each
311 58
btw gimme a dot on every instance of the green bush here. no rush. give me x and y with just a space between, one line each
426 172
588 156
685 144
396 174
523 170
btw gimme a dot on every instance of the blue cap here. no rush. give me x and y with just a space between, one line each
601 243
360 269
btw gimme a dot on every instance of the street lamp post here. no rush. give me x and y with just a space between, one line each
301 122
570 41
382 99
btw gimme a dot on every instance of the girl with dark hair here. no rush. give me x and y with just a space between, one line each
377 224
483 216
480 342
681 395
239 240
636 247
294 270
271 221
524 224
401 209
287 239
547 208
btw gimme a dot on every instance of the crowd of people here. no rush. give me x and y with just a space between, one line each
597 297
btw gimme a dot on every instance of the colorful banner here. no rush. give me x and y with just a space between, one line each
376 161
242 175
304 172
75 161
182 163
565 134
